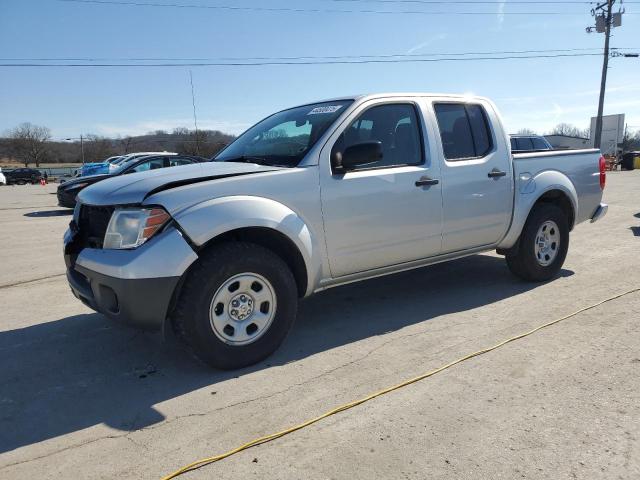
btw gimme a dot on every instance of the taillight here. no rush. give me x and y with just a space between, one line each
602 164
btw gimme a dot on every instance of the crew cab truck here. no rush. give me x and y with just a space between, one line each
314 197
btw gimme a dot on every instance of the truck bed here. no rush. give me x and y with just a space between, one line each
574 172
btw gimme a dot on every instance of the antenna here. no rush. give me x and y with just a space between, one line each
195 118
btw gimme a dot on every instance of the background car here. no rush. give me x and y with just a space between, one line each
22 176
112 163
96 168
529 143
3 180
68 191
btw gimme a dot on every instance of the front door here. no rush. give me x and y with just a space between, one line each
389 212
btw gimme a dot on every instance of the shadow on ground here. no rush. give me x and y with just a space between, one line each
76 372
49 213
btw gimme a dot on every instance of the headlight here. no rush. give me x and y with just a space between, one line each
77 185
131 227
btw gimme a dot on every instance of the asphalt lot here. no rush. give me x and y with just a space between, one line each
81 397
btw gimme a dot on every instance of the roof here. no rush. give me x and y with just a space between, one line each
566 136
371 96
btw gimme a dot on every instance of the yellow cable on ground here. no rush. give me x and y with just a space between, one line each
346 406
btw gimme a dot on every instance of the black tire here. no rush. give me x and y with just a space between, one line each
523 262
21 182
191 317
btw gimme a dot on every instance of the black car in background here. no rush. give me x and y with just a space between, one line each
68 191
22 176
529 143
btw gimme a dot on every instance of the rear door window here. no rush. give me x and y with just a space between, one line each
464 130
479 129
176 162
150 165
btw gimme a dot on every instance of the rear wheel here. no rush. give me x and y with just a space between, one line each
543 244
237 305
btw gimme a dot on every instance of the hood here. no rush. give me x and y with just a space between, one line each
133 188
90 179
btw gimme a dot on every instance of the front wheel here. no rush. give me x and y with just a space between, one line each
543 244
237 305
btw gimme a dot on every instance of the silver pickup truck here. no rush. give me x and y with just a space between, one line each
317 196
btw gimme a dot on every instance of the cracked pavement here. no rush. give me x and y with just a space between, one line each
82 397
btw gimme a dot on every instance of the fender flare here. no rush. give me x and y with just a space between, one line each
209 219
529 190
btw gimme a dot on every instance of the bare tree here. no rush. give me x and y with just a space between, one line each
631 141
29 142
180 131
526 131
194 143
569 130
125 144
97 148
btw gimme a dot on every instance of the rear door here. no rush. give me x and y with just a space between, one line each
477 175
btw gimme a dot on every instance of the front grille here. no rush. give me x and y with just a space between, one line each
92 224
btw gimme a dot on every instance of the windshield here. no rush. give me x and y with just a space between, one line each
283 139
119 160
123 165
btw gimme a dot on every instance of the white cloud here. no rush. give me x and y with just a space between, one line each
543 119
585 93
501 6
426 43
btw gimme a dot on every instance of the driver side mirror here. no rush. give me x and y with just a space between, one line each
358 155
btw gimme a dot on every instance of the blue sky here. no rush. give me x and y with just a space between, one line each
534 93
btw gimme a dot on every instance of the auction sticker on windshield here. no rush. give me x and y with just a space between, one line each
327 109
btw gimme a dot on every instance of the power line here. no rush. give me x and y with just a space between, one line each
330 62
469 2
308 57
300 10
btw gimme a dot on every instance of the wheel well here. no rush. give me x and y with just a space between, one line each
275 241
561 200
554 197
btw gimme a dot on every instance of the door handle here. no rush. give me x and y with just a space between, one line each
426 181
496 173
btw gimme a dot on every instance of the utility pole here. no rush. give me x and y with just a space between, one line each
605 66
605 21
81 144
